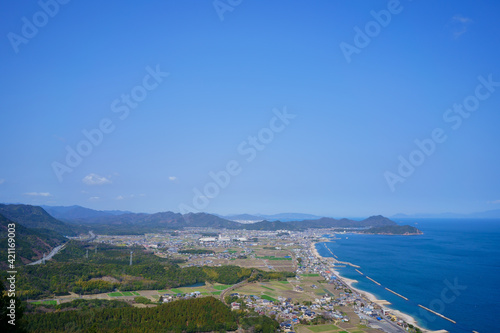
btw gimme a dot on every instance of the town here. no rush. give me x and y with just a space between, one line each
315 295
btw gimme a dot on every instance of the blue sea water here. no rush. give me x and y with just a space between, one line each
453 269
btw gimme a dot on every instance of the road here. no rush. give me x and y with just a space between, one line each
50 255
238 285
56 250
385 324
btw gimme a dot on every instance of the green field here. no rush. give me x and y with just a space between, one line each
309 275
328 292
283 282
115 294
45 302
222 287
130 293
268 288
269 298
274 258
124 293
175 290
216 292
322 328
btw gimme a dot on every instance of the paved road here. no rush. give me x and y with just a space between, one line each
385 324
56 250
238 285
50 255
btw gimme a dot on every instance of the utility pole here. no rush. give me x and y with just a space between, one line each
131 257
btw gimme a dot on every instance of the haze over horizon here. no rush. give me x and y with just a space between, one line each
265 108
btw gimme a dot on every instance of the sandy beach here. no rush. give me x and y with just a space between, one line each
409 319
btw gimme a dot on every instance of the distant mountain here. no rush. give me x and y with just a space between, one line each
137 223
36 217
243 217
490 214
104 222
79 212
283 217
324 222
31 243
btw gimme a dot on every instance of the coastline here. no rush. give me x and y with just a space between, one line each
371 297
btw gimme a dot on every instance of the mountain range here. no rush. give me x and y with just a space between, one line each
37 231
73 220
284 217
126 222
36 217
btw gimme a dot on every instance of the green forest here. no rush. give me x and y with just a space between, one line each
194 315
85 268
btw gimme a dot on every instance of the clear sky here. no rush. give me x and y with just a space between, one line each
293 106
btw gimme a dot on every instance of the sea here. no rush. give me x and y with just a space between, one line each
453 269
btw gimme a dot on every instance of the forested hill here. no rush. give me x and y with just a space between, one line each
394 230
36 217
325 222
78 212
30 243
205 314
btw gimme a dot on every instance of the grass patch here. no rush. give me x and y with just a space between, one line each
310 275
222 287
164 291
128 293
328 292
281 259
273 258
45 302
322 328
269 298
283 282
268 288
177 291
216 292
115 294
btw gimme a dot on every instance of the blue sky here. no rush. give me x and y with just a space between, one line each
286 102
